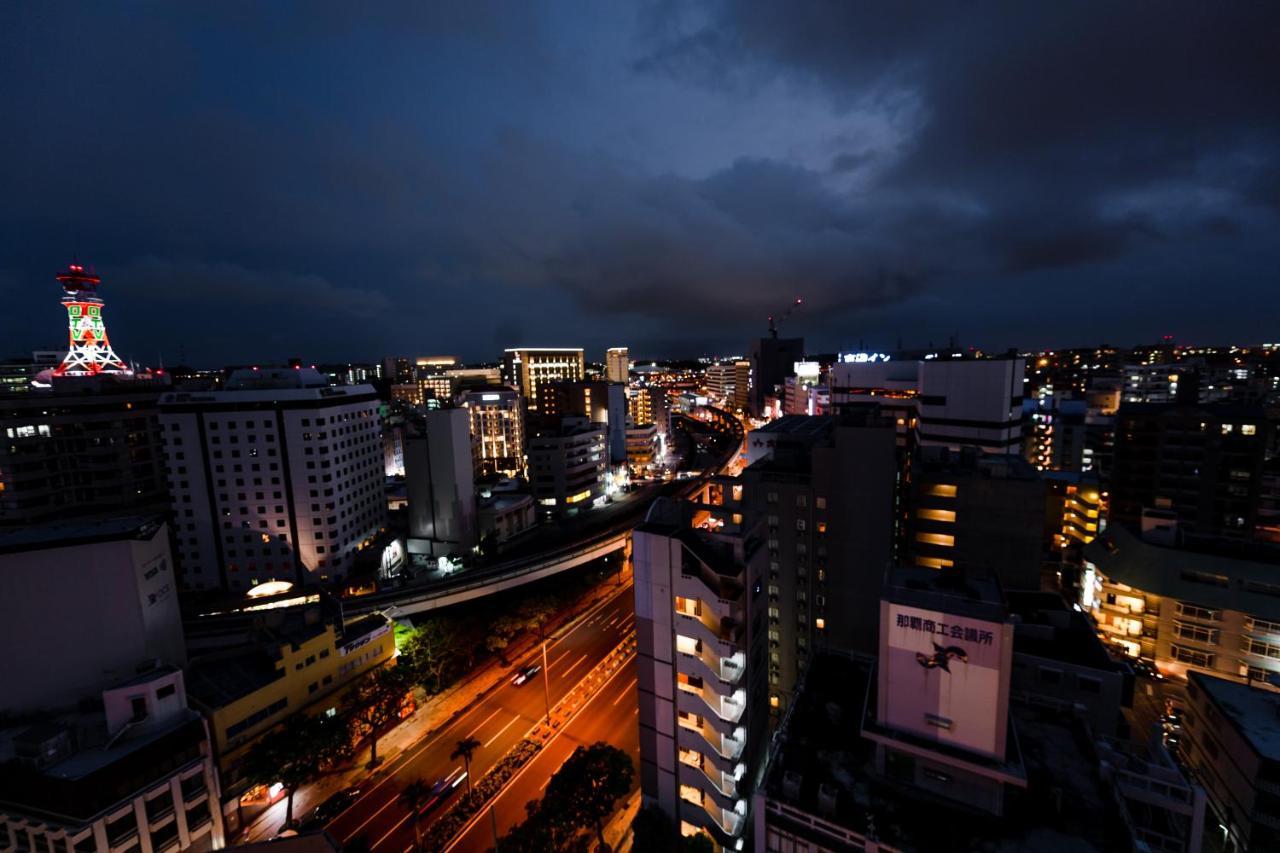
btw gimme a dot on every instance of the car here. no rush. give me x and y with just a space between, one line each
1147 669
332 807
523 676
443 789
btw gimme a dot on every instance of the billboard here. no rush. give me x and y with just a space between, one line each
945 677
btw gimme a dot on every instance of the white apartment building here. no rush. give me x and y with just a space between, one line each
279 477
567 462
698 732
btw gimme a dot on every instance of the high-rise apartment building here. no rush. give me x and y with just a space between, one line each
497 431
527 369
617 365
278 477
731 382
650 404
1204 464
699 678
599 401
568 457
86 446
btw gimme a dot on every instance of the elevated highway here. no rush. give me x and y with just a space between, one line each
725 433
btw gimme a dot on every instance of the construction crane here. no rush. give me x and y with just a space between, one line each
774 324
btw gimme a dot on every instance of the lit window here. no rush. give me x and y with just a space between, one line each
934 562
1248 429
946 515
820 623
944 539
942 490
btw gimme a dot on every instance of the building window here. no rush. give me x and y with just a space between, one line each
1193 657
946 540
1192 611
1198 633
941 490
945 515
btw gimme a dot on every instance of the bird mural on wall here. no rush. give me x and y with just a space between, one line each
942 657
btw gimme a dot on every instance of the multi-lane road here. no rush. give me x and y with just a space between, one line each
498 722
610 716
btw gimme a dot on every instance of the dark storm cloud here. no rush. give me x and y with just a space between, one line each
1037 112
332 180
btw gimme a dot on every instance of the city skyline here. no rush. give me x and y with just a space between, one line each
662 177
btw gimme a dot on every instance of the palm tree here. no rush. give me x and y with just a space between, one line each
414 797
466 748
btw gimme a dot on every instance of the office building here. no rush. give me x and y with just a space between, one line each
603 403
700 686
731 383
527 369
1202 464
18 373
440 479
568 458
84 601
617 365
979 513
398 370
497 431
941 722
278 477
300 661
504 515
1231 746
84 447
772 361
822 789
134 775
950 403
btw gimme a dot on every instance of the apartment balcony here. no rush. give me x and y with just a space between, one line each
713 605
723 798
725 825
716 673
696 768
723 748
722 715
718 638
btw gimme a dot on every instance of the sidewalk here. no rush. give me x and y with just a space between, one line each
431 715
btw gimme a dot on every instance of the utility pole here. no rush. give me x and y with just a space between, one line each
546 681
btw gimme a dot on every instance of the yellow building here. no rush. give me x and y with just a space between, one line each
305 666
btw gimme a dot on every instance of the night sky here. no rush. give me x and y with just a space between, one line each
347 180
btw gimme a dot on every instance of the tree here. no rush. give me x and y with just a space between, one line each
500 633
377 701
543 830
536 612
285 756
465 749
331 740
414 797
428 654
588 786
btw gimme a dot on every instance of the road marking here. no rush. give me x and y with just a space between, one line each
501 730
402 820
485 720
421 746
562 730
576 664
567 652
624 692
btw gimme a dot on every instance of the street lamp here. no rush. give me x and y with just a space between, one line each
546 681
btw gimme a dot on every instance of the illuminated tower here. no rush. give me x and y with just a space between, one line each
88 350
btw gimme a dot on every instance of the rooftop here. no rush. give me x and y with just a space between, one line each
1253 711
1051 630
808 426
217 681
80 531
949 591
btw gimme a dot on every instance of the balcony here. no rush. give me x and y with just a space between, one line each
724 793
719 637
723 714
726 825
709 595
701 667
723 748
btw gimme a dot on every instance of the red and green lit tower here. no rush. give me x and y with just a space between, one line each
88 350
